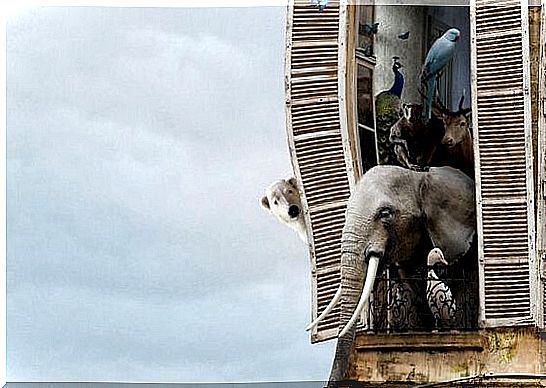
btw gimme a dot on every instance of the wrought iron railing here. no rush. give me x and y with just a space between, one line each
421 303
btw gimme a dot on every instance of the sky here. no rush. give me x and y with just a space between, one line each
139 142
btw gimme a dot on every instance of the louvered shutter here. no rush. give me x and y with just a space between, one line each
541 219
318 143
504 177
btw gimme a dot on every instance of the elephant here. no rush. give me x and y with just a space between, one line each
394 216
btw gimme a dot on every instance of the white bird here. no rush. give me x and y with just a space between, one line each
439 297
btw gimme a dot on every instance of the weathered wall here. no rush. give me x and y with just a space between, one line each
443 356
394 20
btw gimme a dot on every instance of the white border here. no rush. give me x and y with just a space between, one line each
10 10
3 255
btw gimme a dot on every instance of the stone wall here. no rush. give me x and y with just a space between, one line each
437 357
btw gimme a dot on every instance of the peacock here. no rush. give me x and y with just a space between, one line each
387 112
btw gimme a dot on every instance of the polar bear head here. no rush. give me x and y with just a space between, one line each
282 199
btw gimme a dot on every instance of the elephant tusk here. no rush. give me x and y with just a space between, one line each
328 308
365 296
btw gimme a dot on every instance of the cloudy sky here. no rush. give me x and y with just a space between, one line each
139 141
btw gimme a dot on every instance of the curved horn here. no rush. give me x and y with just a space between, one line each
439 104
462 100
463 111
328 308
365 296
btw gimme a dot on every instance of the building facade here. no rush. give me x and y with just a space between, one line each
338 60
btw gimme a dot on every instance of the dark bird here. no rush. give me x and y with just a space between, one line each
404 35
387 112
438 57
368 30
439 296
368 51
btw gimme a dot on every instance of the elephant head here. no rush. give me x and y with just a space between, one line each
390 213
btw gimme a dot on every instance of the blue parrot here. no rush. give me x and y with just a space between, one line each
321 4
438 57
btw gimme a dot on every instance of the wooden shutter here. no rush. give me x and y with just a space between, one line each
541 217
503 149
319 148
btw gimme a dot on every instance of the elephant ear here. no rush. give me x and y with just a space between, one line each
447 201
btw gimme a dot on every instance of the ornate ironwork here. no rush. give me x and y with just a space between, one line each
442 299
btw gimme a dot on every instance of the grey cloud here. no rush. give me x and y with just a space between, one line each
196 78
139 142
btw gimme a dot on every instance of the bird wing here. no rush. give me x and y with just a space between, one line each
438 56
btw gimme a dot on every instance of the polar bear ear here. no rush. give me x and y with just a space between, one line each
293 182
265 203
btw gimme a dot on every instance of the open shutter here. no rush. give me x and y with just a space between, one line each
319 148
503 149
541 218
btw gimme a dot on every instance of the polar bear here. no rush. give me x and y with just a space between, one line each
282 199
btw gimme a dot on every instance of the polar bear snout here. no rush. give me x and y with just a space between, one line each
282 200
294 211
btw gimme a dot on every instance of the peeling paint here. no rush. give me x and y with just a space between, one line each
502 344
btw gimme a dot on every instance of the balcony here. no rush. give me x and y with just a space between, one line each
419 303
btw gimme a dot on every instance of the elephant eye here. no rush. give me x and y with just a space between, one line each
275 202
290 191
385 214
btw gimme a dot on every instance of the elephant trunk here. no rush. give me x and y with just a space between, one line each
355 293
